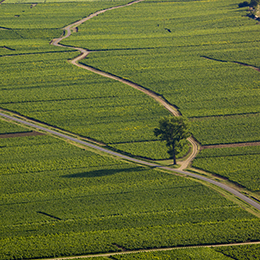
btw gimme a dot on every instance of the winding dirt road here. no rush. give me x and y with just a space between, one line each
158 98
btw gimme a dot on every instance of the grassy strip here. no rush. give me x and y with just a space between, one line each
242 252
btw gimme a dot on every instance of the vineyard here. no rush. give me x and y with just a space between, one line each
61 200
70 201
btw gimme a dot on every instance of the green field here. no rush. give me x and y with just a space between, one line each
217 253
38 82
58 199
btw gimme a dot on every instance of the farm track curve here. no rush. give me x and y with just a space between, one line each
157 97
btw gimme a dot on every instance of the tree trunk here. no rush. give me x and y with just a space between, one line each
174 159
173 154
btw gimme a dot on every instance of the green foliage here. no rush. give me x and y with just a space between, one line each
175 65
61 200
254 3
149 149
39 83
244 4
78 101
239 165
173 130
135 45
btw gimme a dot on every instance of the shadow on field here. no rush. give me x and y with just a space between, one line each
103 172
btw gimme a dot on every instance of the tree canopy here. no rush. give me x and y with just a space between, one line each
173 130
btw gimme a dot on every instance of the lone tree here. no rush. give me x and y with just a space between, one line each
175 131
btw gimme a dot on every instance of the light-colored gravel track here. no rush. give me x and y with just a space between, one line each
151 250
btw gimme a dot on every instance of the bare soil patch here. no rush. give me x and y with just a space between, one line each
33 133
229 145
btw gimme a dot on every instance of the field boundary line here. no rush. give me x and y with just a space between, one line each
149 250
158 98
235 62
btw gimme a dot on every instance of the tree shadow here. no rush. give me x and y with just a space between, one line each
102 172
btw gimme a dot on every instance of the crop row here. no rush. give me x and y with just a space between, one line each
48 15
73 243
174 62
243 252
168 67
226 129
149 149
218 88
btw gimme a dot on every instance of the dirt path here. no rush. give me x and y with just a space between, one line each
110 255
158 98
